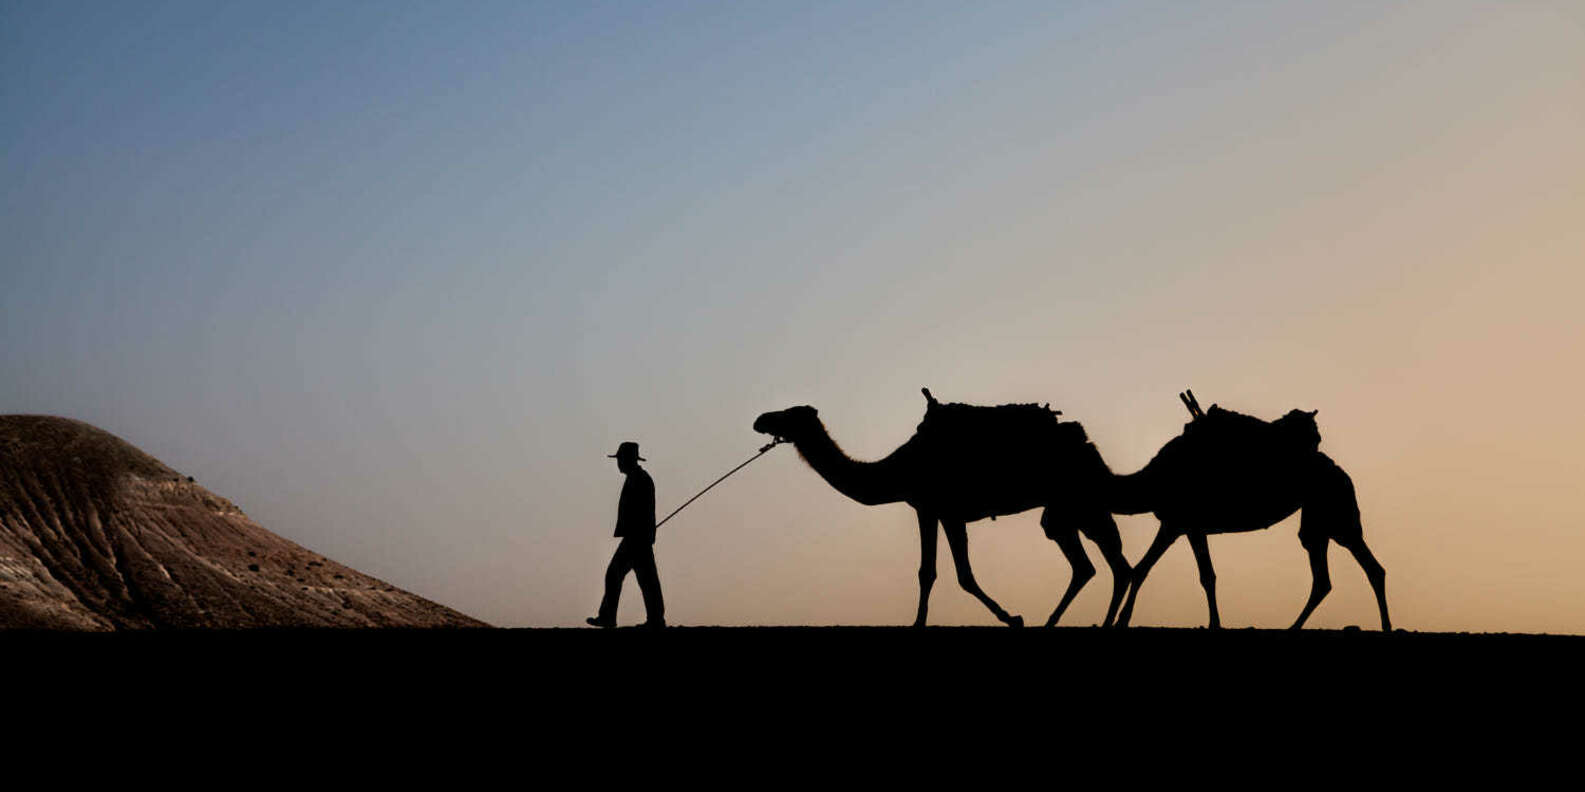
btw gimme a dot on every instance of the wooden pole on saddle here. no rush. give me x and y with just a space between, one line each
1191 404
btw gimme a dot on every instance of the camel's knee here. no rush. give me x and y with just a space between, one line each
1376 575
1374 571
1081 574
966 580
1373 568
1207 579
1083 571
927 577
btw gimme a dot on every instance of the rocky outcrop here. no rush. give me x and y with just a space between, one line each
97 535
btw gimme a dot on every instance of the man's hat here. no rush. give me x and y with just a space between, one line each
627 449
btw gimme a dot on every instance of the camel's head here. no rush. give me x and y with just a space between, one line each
792 423
1299 426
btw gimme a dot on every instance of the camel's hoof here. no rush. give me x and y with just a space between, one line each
1015 621
916 625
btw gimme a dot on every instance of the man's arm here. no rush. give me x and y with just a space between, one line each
636 511
650 500
644 511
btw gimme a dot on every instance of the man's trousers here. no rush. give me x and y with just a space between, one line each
638 557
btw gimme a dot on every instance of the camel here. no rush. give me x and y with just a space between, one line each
1229 473
966 463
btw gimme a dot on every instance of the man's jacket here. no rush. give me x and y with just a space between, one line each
635 512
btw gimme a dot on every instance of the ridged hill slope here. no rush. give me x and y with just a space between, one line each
97 535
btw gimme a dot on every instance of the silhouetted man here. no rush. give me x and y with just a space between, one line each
635 524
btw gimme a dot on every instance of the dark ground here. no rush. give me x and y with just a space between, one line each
1075 692
719 665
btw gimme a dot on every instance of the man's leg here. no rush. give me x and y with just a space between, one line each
649 584
621 564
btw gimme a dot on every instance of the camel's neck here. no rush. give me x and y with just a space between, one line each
1131 493
869 483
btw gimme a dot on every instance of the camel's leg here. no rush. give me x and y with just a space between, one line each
1320 581
1165 536
1067 538
927 563
1374 573
1202 558
1333 500
1103 532
958 543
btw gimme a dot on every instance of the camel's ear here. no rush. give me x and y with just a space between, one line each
1313 412
930 400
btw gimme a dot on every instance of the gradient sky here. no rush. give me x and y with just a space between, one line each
396 277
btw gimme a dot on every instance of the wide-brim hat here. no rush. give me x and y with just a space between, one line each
627 449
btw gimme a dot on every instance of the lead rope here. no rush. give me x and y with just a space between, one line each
778 441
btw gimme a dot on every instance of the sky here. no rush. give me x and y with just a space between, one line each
395 278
